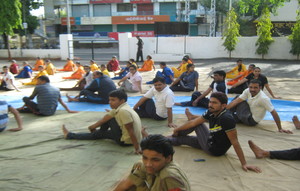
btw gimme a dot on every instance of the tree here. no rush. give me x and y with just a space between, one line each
32 21
10 15
264 33
256 7
295 36
231 32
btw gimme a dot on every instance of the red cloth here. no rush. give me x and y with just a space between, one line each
14 68
113 65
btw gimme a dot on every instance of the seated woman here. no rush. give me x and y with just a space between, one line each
190 61
38 62
84 82
93 66
104 70
132 82
42 72
26 72
239 69
113 65
148 65
242 75
78 73
187 81
69 66
132 61
50 68
123 72
14 67
182 68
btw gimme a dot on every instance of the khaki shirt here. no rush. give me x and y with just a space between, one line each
124 114
170 177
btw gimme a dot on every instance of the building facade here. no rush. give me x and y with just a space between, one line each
137 16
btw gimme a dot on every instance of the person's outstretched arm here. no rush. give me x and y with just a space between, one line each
232 136
65 106
278 122
140 102
129 128
270 92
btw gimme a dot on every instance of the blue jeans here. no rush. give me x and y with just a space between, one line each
2 129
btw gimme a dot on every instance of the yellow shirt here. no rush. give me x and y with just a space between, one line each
105 72
124 114
94 67
50 69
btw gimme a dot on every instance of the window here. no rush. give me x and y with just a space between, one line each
124 7
102 10
193 5
80 11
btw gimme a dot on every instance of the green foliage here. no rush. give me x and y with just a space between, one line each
10 15
32 21
256 7
231 32
264 27
295 37
221 5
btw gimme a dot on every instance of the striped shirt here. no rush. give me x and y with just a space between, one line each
3 114
47 98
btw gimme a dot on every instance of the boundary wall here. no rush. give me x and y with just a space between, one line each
173 48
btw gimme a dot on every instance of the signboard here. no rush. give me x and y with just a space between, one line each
140 1
142 19
105 1
143 33
73 21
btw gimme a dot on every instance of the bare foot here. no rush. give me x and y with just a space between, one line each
144 132
65 131
178 104
15 129
69 98
188 114
296 122
259 153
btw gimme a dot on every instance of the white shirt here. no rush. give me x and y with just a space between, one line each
88 79
135 79
9 80
259 104
163 100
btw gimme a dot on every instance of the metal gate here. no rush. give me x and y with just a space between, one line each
90 49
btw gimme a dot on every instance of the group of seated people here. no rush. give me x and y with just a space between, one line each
123 123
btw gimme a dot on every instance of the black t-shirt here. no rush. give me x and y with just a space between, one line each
262 78
220 87
218 126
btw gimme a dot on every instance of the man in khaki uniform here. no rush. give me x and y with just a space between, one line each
157 172
121 124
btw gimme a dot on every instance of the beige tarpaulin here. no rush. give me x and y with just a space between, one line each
38 158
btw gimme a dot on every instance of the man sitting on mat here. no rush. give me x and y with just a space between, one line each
218 138
164 101
251 107
103 85
157 172
121 124
47 99
199 100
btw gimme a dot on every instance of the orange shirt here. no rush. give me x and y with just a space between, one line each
69 66
38 63
148 65
77 74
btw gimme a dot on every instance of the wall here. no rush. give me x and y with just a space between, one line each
169 48
32 53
